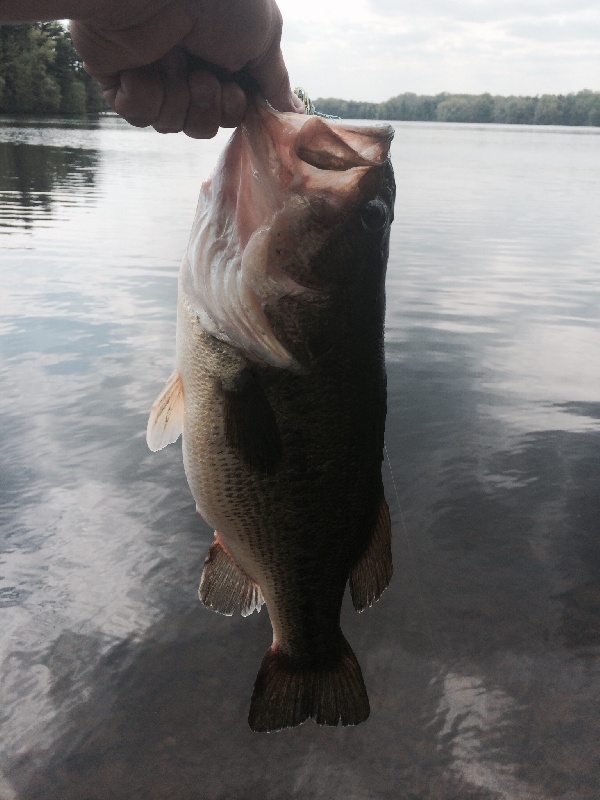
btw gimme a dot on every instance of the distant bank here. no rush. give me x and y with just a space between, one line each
40 73
581 108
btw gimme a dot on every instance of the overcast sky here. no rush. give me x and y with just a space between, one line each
375 49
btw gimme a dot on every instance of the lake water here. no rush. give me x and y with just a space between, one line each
482 660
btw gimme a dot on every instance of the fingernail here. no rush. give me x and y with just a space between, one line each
298 104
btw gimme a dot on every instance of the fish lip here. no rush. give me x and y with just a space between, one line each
382 131
369 143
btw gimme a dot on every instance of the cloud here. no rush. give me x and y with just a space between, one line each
479 10
573 30
375 49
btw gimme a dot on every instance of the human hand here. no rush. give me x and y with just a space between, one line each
139 51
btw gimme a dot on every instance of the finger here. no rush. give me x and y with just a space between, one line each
204 111
139 96
108 48
233 105
109 86
176 93
272 77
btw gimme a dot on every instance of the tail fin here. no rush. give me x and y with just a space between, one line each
287 693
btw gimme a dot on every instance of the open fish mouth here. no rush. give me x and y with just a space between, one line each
282 184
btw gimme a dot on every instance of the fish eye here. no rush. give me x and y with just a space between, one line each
374 215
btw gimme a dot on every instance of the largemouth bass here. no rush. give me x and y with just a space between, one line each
280 394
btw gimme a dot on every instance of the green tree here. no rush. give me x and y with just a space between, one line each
41 73
514 110
454 109
29 86
409 107
332 105
548 110
67 70
466 108
580 108
594 110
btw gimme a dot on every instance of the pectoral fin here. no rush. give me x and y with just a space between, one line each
224 585
372 573
250 424
165 423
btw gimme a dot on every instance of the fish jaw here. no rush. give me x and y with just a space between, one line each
282 185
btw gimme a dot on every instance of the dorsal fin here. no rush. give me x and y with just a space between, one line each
165 423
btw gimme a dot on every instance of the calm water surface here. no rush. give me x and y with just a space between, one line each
481 660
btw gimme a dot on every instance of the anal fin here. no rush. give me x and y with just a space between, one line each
224 586
250 424
371 574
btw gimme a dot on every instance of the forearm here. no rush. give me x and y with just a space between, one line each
15 11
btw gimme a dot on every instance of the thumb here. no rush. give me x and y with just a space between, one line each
272 76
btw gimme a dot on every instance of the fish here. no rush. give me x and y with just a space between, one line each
279 393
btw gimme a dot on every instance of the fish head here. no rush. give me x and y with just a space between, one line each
299 207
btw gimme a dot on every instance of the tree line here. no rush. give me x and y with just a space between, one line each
41 73
581 108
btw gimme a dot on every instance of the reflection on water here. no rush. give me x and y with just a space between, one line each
481 659
34 179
